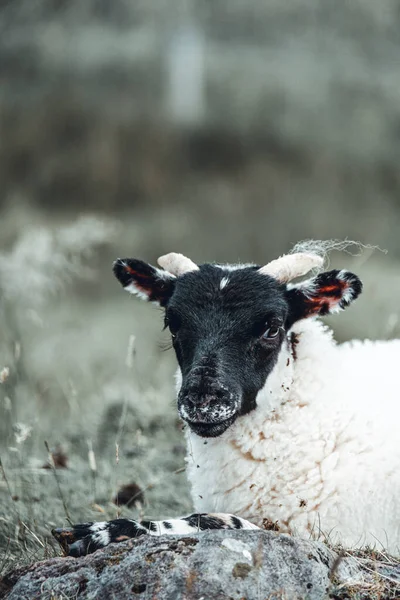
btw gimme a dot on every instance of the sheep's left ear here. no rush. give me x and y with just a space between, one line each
144 280
326 293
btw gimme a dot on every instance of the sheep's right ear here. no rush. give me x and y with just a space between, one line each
144 280
324 294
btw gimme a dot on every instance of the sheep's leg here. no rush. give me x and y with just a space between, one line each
86 538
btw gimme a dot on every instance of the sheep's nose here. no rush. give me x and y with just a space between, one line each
199 401
196 401
206 401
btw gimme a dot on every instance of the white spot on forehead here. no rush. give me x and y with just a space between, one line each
223 282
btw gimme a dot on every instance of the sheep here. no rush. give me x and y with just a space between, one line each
283 426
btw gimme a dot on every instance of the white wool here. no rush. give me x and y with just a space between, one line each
320 453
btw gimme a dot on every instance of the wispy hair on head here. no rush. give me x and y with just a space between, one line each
324 248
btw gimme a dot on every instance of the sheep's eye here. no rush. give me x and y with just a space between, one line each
172 321
271 333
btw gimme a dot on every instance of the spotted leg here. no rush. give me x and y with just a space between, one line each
86 538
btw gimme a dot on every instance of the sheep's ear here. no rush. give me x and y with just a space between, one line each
144 280
326 293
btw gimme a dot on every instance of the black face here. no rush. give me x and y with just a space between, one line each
227 329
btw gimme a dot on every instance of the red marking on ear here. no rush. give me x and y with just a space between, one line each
329 288
314 300
143 282
326 293
136 274
335 289
322 300
326 297
129 270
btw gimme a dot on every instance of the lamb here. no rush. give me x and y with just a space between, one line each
284 426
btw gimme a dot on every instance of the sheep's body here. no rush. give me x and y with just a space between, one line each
320 455
283 425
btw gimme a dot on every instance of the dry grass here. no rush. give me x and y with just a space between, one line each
72 381
377 578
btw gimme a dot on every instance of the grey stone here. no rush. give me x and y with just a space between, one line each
222 565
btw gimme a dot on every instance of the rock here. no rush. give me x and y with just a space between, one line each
222 565
217 565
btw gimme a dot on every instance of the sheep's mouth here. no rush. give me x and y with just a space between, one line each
212 429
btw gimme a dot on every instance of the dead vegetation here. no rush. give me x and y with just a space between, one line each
378 576
79 413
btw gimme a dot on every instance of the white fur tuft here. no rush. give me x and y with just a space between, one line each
133 289
224 281
235 267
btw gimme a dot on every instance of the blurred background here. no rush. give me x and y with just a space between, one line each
227 131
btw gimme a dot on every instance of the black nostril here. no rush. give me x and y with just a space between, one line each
191 401
220 394
202 401
198 400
